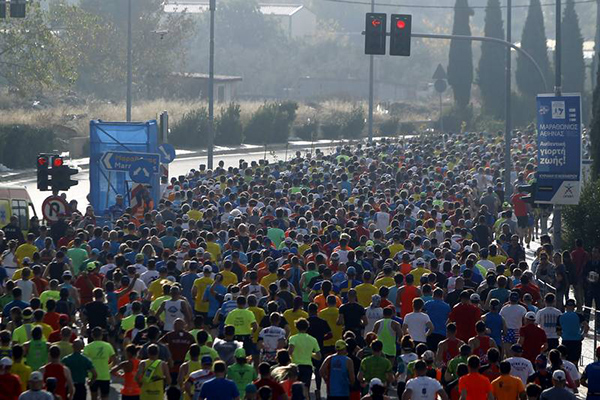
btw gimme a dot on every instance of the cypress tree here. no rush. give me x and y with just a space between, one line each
595 127
533 41
573 66
491 71
460 63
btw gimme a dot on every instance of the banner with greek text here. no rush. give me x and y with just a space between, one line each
558 149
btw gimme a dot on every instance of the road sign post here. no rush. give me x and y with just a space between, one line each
559 149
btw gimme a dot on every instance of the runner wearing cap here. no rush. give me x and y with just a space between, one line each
338 372
520 366
558 392
10 384
532 338
36 392
193 385
241 373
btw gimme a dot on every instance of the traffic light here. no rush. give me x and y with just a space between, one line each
43 176
18 8
400 35
61 176
531 189
375 33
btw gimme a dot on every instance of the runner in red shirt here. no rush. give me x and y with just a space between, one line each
10 383
465 315
532 338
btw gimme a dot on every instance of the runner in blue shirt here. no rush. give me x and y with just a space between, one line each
438 311
591 378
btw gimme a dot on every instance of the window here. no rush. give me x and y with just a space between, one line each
20 209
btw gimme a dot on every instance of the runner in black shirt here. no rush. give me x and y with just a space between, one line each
97 313
320 330
352 315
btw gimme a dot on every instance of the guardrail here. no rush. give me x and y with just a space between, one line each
588 311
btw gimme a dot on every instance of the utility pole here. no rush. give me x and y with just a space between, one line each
507 106
371 61
211 86
129 61
557 220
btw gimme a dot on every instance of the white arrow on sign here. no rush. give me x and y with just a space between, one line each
167 156
106 160
140 169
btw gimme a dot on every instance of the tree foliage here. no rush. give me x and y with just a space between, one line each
595 126
460 63
573 66
491 72
32 57
533 41
583 220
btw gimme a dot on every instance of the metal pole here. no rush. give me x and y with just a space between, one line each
441 115
211 84
508 110
129 61
557 220
371 89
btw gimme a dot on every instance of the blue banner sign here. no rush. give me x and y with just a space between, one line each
559 149
122 161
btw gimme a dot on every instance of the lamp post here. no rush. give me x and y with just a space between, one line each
129 62
507 105
211 84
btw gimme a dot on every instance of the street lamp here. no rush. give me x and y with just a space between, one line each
211 84
129 62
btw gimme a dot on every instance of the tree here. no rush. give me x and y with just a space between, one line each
33 58
159 47
533 41
460 63
595 128
573 66
491 71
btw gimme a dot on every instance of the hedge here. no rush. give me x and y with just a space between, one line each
20 144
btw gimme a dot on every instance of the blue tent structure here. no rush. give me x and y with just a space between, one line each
105 185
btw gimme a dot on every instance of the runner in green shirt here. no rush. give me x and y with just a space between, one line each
465 352
102 356
376 366
241 373
80 366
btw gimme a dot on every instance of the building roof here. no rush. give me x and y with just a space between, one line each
195 7
218 78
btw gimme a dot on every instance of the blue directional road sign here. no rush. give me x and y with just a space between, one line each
122 161
167 153
559 149
141 171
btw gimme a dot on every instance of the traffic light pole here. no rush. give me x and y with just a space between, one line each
129 62
211 84
371 89
557 219
508 111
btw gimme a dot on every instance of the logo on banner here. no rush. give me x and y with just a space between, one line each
544 110
558 110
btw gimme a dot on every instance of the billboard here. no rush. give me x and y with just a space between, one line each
558 149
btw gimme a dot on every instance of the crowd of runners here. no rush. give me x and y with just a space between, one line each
394 269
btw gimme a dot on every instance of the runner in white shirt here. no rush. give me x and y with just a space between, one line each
417 324
149 276
513 314
271 339
423 387
520 367
547 319
373 313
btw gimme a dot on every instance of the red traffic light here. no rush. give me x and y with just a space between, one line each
58 162
400 24
42 161
376 23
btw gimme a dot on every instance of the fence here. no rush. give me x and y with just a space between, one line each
586 356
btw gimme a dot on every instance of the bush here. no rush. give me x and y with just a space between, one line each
353 123
407 128
192 130
20 144
456 118
271 123
583 220
229 129
389 127
308 131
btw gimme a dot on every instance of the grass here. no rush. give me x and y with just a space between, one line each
73 120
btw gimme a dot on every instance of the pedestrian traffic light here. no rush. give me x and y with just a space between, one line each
43 177
400 35
61 177
18 8
531 189
375 33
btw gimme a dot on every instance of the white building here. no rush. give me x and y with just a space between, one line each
295 20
